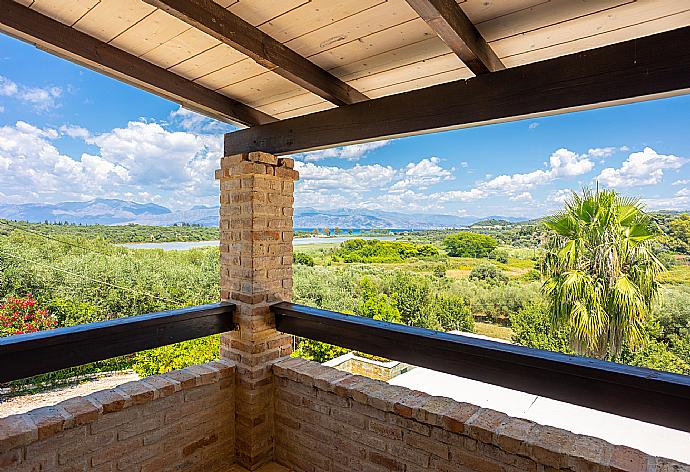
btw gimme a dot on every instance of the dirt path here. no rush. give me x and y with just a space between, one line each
14 405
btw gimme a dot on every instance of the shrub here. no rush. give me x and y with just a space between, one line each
466 244
451 312
303 259
377 251
22 315
499 256
177 356
532 328
488 273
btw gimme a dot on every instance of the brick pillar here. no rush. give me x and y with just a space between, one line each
256 199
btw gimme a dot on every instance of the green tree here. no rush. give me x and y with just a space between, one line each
679 238
466 244
600 270
376 305
303 259
488 273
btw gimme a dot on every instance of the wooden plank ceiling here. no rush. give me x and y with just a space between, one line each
318 54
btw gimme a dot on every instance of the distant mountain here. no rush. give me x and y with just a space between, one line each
98 211
117 212
370 219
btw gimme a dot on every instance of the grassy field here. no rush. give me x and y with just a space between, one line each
493 331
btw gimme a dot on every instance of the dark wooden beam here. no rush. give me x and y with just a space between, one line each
46 351
214 20
61 40
641 69
648 395
451 24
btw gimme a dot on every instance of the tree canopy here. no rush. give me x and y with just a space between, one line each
466 244
601 274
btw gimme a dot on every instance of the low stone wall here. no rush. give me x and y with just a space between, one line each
183 420
329 420
371 368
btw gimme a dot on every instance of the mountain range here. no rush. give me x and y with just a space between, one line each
119 212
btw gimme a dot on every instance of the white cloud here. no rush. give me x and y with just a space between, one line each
7 87
422 174
522 197
459 195
142 161
33 167
560 196
681 182
679 201
75 131
2 109
640 168
562 163
533 125
351 153
602 152
41 98
358 178
192 121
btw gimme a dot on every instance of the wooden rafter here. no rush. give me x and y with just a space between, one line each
453 26
639 69
232 30
61 40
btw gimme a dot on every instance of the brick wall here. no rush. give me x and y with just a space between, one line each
329 420
183 420
256 197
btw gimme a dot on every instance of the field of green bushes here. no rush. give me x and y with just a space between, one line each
486 286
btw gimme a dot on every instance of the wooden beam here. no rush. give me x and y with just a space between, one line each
64 41
451 24
26 355
648 395
214 20
640 69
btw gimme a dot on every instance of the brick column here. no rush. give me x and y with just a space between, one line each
256 199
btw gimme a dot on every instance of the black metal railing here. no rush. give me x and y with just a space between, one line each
26 355
648 395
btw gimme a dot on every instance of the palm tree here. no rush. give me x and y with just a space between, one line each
600 271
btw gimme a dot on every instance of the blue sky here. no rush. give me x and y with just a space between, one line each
67 133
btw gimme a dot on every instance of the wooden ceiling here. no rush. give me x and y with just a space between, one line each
257 61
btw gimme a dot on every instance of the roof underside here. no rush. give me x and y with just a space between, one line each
378 47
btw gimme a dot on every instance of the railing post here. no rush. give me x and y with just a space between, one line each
256 205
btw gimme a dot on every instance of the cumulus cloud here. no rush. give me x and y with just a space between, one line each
358 178
560 196
192 121
681 182
640 168
42 98
350 153
602 152
679 201
562 163
522 197
142 161
32 166
75 131
422 174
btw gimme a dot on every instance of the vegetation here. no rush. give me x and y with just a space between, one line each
601 272
116 234
486 281
374 250
466 244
